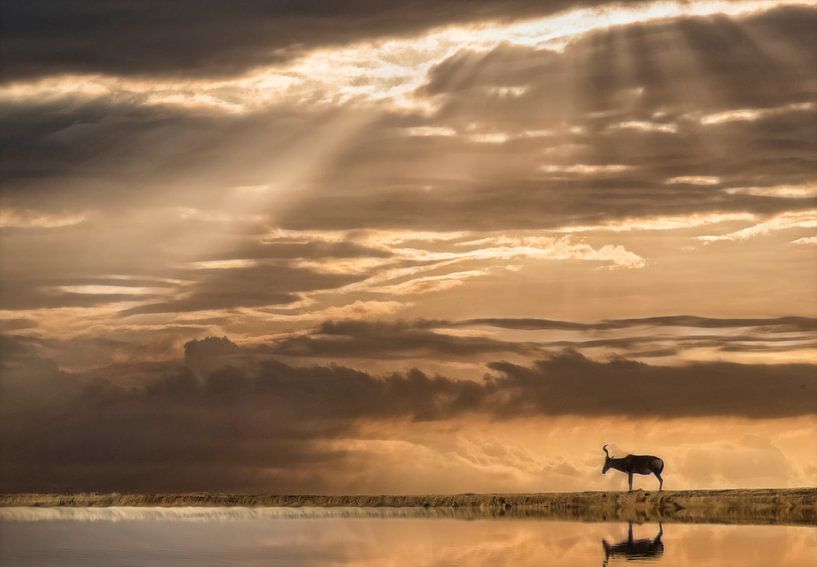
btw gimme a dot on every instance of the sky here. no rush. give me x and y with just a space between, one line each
406 247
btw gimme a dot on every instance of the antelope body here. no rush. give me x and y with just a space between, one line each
635 464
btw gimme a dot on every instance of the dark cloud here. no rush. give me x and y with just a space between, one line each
246 287
122 141
54 270
16 324
427 339
232 424
205 356
521 204
27 377
206 38
389 340
651 346
641 68
571 384
18 296
771 324
531 324
127 354
291 249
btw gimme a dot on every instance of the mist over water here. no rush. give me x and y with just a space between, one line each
364 537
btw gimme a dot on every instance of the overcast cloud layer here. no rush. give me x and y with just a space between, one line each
448 233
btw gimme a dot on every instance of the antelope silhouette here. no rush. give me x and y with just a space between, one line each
635 548
635 464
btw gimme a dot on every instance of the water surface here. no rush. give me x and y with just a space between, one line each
376 537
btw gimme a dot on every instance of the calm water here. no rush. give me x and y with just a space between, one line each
275 536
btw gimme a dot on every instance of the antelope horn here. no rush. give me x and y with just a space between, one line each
605 450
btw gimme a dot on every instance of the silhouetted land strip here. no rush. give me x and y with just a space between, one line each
764 506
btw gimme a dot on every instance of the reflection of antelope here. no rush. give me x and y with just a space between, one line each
635 549
635 464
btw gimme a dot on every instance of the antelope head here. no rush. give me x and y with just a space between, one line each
606 461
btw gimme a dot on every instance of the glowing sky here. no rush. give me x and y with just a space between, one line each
435 246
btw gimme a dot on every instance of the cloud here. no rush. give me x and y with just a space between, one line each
587 173
430 284
384 341
10 218
17 296
16 323
774 324
192 39
751 114
785 221
440 342
248 420
571 384
246 287
306 247
355 310
94 150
